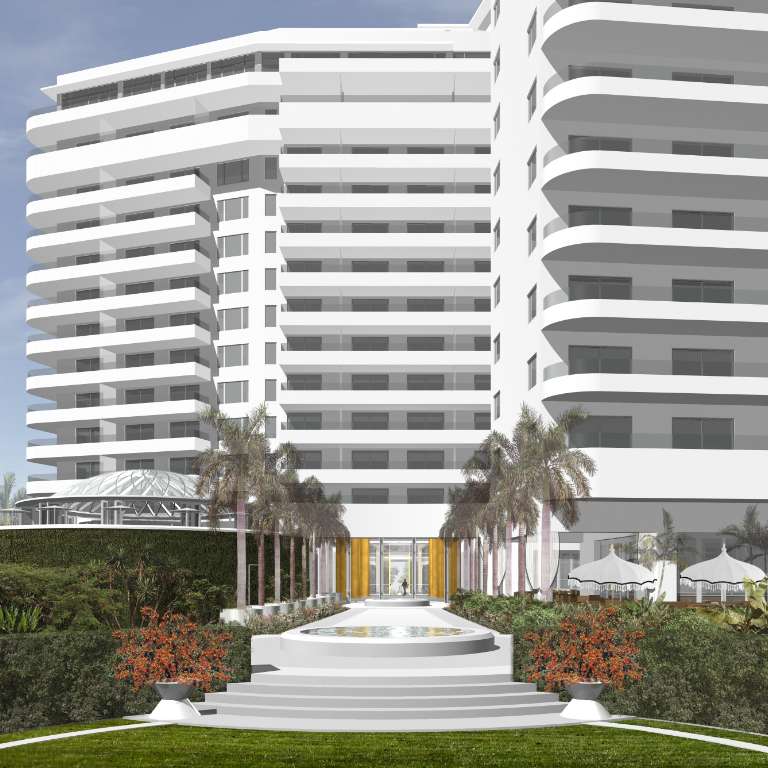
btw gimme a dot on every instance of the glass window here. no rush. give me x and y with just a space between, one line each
139 431
270 353
426 460
370 495
370 381
702 362
531 372
86 469
232 319
370 420
497 178
87 364
87 435
532 101
425 420
587 359
232 208
233 172
497 235
531 299
270 316
233 391
700 433
270 279
139 464
233 245
425 495
497 292
425 381
185 392
599 287
585 215
497 121
233 66
232 282
183 465
134 396
369 343
185 76
270 390
233 355
270 167
482 381
482 343
497 64
370 459
305 421
139 359
702 219
270 205
185 356
703 77
482 421
497 348
532 33
715 291
707 149
532 236
596 71
139 85
602 432
87 399
532 168
602 143
270 242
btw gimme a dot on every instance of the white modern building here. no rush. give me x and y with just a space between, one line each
396 236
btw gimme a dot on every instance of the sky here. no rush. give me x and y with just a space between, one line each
43 38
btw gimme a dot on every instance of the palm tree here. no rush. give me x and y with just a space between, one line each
666 545
552 474
461 519
9 499
751 534
231 472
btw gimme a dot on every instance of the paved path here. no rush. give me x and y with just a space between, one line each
687 735
72 734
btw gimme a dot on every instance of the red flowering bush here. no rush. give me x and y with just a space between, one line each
587 646
172 648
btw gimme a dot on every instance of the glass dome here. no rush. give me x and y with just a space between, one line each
132 484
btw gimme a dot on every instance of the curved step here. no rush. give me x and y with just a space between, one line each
344 677
338 688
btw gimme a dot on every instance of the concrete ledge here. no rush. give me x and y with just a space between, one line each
397 602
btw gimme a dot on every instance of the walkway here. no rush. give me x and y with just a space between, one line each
72 734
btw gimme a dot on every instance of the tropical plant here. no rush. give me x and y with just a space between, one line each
752 535
665 546
588 646
19 620
551 474
752 615
230 473
169 647
9 499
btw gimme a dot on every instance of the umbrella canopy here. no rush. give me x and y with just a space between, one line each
722 569
612 569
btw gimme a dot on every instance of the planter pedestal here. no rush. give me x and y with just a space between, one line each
174 703
584 704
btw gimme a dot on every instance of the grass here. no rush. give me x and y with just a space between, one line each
566 747
66 728
723 733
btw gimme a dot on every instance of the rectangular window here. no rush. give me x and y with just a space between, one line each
87 364
702 433
270 426
531 372
233 392
424 343
184 318
497 121
139 360
482 381
232 208
590 215
370 420
233 172
270 205
482 304
270 353
233 355
370 495
270 279
86 469
232 282
270 242
532 168
139 464
270 390
425 420
185 392
184 356
183 465
139 85
425 495
305 381
532 236
87 435
139 431
426 460
497 292
706 149
496 10
497 234
714 291
595 71
370 459
602 432
234 66
702 219
185 429
139 324
370 381
703 77
702 362
599 287
311 459
598 143
497 64
310 304
133 288
482 421
305 343
270 316
270 167
497 405
497 178
232 245
305 421
135 396
87 399
425 381
482 343
531 299
482 265
414 304
532 33
532 99
497 348
181 282
585 359
185 76
232 319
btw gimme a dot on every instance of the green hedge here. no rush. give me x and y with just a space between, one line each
208 554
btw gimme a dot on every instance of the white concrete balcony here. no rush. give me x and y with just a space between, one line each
187 263
398 122
182 101
668 317
48 350
158 447
383 283
163 409
658 174
169 150
654 245
389 245
47 385
45 487
348 360
349 399
384 77
124 234
48 316
395 438
115 201
332 168
385 207
409 322
385 476
628 102
630 32
394 520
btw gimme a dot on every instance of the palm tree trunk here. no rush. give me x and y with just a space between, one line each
304 574
242 566
485 564
312 572
521 537
495 562
508 557
276 551
292 567
546 551
261 569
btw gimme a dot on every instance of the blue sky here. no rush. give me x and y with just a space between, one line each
42 38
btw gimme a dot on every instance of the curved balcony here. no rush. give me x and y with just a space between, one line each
156 447
347 398
383 283
373 322
390 437
382 362
190 146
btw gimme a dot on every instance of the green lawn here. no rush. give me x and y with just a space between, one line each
705 730
67 728
566 747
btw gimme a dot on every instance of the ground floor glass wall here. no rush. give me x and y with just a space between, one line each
398 567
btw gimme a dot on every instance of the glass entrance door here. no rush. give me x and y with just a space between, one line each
398 567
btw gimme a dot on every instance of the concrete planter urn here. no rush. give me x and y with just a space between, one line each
584 704
174 702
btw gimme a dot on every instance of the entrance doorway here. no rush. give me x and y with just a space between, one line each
398 567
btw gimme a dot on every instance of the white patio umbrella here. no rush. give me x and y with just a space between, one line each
723 571
613 571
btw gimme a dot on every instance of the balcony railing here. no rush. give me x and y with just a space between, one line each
202 399
659 440
391 387
657 293
116 365
396 344
458 304
658 368
69 332
397 227
67 297
71 261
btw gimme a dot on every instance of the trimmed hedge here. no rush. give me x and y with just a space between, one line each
208 554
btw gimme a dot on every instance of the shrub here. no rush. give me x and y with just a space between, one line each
592 646
171 648
278 623
19 620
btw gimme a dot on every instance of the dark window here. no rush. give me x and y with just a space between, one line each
426 420
87 435
603 143
370 459
308 421
715 291
305 381
186 75
482 421
146 395
425 343
139 359
270 167
133 288
482 265
233 172
425 495
370 495
87 399
139 464
702 433
482 305
370 343
305 266
707 149
593 71
482 381
426 460
370 381
184 465
372 420
581 215
311 459
583 359
531 300
370 266
702 219
185 392
139 431
184 318
141 85
86 469
233 66
184 356
305 343
703 77
599 288
425 381
702 362
425 305
482 343
87 329
602 432
185 429
87 364
89 96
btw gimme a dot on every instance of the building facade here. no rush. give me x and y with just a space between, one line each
394 237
